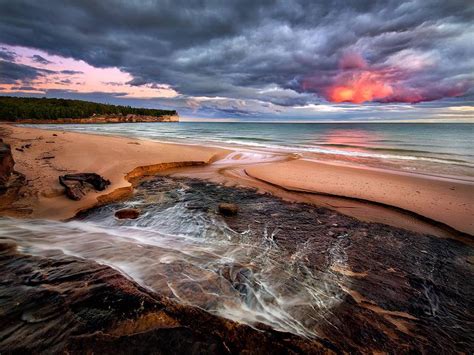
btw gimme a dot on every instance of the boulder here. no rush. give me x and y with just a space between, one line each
228 209
127 213
76 183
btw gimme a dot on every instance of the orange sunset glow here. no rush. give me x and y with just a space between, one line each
365 87
358 83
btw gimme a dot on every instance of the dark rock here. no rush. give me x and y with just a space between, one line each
63 304
6 164
75 184
401 291
74 189
127 213
228 209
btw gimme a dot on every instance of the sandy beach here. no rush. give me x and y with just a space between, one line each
447 201
53 153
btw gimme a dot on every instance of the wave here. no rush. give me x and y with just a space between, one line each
388 149
221 138
354 154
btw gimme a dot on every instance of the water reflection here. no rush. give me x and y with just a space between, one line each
350 139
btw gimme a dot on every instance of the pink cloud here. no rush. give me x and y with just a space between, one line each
356 81
83 77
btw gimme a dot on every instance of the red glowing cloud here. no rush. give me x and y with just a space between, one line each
357 82
362 87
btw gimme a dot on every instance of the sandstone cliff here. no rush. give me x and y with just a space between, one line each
105 119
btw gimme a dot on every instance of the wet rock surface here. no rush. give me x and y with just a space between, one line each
343 285
64 304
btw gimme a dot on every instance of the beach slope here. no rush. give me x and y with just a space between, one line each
443 200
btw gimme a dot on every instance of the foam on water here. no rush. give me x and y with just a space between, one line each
195 258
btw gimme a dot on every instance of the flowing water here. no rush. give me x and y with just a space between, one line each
186 251
446 149
290 266
285 265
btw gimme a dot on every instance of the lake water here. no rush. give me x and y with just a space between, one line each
446 149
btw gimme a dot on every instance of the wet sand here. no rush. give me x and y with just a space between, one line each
443 200
340 187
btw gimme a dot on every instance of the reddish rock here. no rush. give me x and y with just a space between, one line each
127 213
228 209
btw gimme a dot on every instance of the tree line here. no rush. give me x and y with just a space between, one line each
17 108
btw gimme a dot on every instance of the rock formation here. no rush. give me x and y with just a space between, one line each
63 304
106 119
75 184
6 165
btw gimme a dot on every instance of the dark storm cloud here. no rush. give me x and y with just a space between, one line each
24 88
7 55
11 73
71 72
278 52
39 59
64 82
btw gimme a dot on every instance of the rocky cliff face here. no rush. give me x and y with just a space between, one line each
107 119
6 165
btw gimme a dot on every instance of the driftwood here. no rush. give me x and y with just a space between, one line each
75 184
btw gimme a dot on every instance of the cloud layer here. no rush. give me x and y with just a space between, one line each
223 58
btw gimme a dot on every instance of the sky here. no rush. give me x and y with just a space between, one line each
251 60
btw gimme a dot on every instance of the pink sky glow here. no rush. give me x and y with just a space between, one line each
87 79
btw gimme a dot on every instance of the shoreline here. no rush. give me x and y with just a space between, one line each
367 158
98 120
445 201
140 157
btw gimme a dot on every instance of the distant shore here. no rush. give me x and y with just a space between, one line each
100 119
119 159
